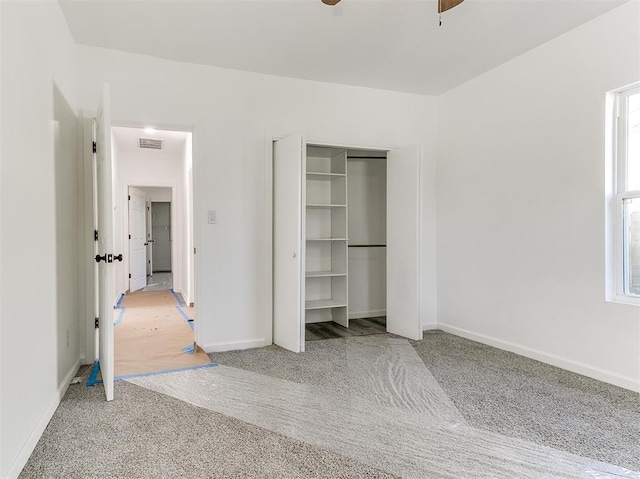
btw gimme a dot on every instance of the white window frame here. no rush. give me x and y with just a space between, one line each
620 193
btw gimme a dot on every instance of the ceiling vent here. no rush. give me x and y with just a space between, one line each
149 143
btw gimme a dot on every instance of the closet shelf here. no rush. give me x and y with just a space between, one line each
318 205
327 239
317 175
324 274
325 304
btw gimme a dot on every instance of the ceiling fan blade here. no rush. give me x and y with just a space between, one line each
330 2
444 5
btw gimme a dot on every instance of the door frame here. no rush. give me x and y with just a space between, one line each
125 233
267 250
90 336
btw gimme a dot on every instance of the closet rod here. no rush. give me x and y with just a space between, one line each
366 157
367 246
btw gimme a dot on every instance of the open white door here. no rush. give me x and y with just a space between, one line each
105 242
403 242
149 240
288 282
137 240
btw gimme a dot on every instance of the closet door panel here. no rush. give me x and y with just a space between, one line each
288 248
403 242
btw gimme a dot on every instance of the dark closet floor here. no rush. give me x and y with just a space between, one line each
357 327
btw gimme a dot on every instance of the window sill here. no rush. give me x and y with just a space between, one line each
628 300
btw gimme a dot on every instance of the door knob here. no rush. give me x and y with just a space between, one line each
99 258
118 257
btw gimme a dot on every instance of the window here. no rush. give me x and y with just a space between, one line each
626 152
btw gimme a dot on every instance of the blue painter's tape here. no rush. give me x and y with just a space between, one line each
93 377
168 371
120 298
120 316
189 349
185 317
178 298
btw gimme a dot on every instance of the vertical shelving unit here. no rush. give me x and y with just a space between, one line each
326 288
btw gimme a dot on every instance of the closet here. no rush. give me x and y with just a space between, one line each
367 226
333 233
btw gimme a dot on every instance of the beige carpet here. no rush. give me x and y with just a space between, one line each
153 336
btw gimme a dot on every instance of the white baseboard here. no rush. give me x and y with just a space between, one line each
429 326
233 345
182 295
367 314
573 366
27 448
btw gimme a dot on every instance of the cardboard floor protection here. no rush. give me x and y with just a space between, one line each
189 311
153 336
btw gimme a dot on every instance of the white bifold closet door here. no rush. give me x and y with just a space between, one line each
403 242
288 249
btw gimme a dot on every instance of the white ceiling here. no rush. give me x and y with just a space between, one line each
388 44
126 140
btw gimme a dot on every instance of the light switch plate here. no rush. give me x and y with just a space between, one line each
213 217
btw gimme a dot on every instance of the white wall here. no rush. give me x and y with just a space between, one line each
231 112
2 462
147 167
40 203
521 209
156 193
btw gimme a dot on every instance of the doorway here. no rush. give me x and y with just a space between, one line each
160 213
150 238
153 221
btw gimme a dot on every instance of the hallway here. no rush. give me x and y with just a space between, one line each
153 333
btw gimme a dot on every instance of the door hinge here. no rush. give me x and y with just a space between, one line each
95 147
149 261
95 235
129 236
129 275
129 197
194 251
97 323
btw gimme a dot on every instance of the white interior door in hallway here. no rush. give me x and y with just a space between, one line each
137 240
